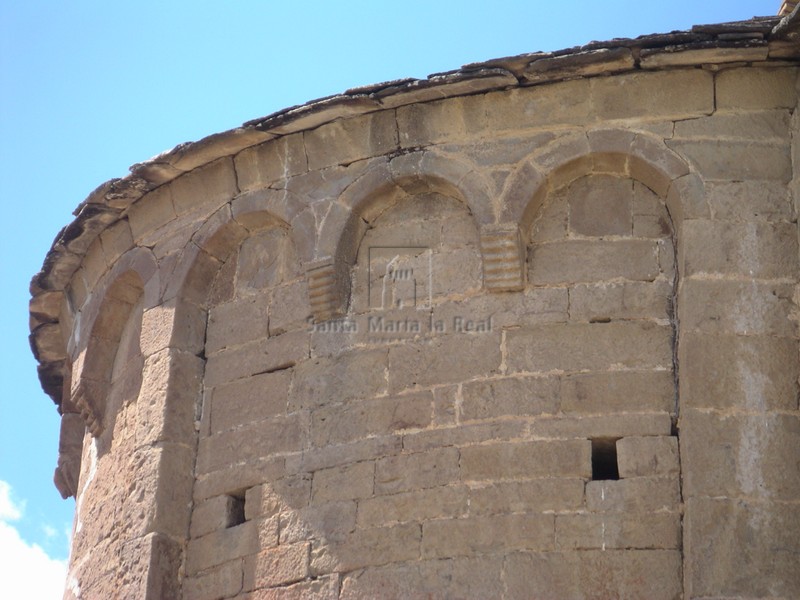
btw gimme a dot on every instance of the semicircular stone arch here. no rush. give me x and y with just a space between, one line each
370 196
133 283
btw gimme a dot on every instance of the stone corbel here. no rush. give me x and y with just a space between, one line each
503 258
328 286
70 446
87 399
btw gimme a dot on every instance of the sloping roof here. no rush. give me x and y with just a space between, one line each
757 40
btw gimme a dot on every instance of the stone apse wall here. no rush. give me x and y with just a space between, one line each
534 342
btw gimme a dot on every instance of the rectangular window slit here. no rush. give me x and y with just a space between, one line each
235 509
604 459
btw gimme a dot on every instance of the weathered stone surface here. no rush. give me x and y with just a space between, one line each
582 64
237 322
419 505
479 535
548 494
149 563
631 300
604 531
166 325
221 546
168 397
444 359
653 574
647 456
452 578
753 372
737 307
600 205
750 201
277 566
510 396
270 162
756 88
238 477
367 547
751 125
757 250
557 458
464 434
564 103
539 305
579 261
342 454
289 308
47 343
151 212
354 375
251 399
602 426
161 492
740 455
205 189
344 483
423 124
222 581
668 95
353 420
618 392
451 84
594 346
638 494
415 471
723 566
212 515
276 435
736 160
343 142
262 356
332 521
321 588
278 494
689 55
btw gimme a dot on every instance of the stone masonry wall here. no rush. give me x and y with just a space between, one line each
536 342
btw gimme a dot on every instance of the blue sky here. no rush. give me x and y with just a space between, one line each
90 88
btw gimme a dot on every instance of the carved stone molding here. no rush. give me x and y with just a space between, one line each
503 259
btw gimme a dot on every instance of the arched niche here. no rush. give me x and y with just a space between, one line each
616 152
613 151
133 282
364 201
573 193
113 342
420 249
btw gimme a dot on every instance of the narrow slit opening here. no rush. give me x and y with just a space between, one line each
604 459
236 508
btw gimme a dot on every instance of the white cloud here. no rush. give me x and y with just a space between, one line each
49 532
9 511
26 571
